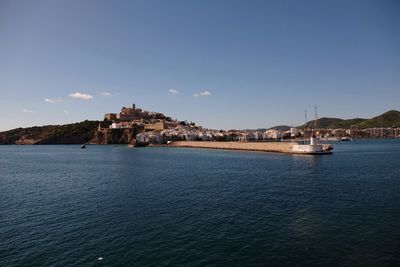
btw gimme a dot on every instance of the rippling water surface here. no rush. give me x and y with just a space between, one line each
64 206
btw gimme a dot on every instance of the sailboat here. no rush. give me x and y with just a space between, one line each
313 146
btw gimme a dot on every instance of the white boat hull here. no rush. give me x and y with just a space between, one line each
310 149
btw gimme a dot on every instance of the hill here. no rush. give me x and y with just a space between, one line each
75 133
280 128
334 123
387 119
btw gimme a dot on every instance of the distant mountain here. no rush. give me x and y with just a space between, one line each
280 128
252 130
387 119
334 123
277 128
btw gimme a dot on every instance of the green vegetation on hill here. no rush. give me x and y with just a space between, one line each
75 133
387 119
334 123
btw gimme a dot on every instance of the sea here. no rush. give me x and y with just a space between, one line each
61 205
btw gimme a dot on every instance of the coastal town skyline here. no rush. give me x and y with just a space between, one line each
223 65
136 127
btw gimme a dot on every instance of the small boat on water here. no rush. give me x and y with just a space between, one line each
132 143
312 148
83 146
345 139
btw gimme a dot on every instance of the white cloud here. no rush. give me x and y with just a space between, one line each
27 110
173 91
203 93
81 96
106 93
66 112
55 100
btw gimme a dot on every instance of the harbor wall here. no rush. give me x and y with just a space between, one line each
283 147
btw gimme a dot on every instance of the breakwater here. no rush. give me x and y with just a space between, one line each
281 147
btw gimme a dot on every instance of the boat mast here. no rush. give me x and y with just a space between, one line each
316 118
305 124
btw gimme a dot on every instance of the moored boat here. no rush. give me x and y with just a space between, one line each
313 146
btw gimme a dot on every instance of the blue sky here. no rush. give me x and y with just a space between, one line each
230 64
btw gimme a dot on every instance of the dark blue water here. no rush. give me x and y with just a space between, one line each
63 206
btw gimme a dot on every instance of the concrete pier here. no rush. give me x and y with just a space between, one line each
281 147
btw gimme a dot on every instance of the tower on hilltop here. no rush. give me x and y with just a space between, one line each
133 106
